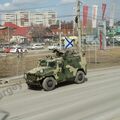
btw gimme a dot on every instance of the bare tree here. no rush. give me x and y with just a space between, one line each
39 32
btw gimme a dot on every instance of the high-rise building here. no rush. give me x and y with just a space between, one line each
37 18
9 17
50 18
23 18
26 18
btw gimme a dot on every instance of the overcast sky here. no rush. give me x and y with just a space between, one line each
63 7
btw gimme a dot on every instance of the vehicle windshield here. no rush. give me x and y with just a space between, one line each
52 64
47 63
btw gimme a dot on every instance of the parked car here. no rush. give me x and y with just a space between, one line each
18 49
6 49
52 47
36 46
42 43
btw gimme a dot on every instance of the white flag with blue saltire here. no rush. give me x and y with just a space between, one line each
68 43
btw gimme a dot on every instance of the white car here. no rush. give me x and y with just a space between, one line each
36 46
52 47
18 49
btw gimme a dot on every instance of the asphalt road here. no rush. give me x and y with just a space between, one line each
96 99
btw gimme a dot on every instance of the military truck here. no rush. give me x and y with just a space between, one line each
64 66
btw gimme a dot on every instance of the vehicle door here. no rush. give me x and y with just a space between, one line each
65 73
60 71
72 64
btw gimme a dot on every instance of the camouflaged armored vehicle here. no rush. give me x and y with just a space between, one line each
53 70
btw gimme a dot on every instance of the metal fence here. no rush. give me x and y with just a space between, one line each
13 65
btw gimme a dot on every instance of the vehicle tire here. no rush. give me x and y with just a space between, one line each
48 83
80 77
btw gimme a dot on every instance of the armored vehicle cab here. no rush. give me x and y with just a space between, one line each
53 70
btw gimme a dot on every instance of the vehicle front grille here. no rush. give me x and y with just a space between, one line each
31 77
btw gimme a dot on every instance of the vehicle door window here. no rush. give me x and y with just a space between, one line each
43 63
52 64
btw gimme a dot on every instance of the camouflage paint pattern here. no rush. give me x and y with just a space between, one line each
67 65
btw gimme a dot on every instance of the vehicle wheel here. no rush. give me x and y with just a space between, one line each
80 77
48 83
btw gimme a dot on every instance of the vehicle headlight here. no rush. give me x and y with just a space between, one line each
25 76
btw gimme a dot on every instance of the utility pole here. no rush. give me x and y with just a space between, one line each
74 9
78 25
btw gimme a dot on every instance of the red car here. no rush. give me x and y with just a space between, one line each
6 49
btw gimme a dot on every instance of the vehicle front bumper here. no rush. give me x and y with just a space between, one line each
31 81
37 83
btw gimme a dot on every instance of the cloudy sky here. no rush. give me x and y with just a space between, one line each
63 7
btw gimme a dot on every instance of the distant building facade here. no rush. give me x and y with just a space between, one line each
66 29
9 17
26 18
37 18
23 18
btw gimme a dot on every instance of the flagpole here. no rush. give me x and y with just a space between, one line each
104 23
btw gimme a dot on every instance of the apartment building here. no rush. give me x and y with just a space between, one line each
23 18
9 17
50 18
37 18
26 18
